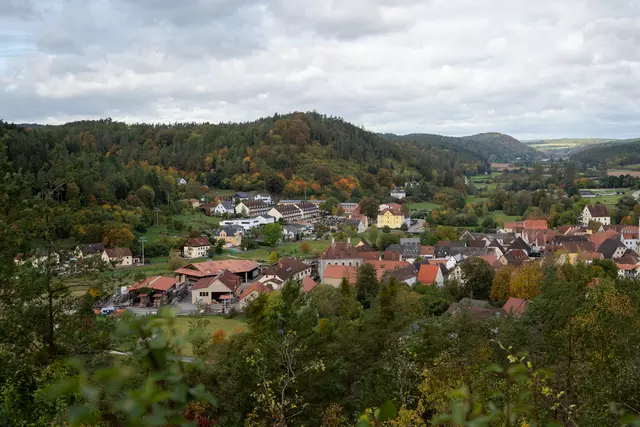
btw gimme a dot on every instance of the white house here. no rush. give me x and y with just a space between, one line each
181 181
598 213
398 193
219 288
630 237
196 247
251 293
224 208
263 198
249 223
122 257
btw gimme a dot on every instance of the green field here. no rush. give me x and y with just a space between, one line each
501 216
608 200
291 249
565 143
229 326
470 200
197 221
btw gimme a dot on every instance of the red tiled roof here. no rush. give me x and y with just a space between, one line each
599 237
158 283
308 283
427 250
536 224
257 286
515 306
341 271
198 242
384 266
340 250
492 260
627 266
391 256
428 274
370 256
211 268
118 252
394 211
227 278
513 225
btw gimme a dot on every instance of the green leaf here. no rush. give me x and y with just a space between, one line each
387 411
82 414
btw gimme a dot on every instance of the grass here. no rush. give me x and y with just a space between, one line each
197 221
609 200
285 250
229 326
470 200
500 215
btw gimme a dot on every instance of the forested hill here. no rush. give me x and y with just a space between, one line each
496 147
283 154
613 154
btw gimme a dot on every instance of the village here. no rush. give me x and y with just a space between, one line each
220 286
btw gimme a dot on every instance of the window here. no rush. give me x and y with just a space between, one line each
204 294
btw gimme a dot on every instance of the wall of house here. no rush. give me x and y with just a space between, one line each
196 251
201 295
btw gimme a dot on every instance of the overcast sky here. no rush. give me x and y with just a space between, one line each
544 68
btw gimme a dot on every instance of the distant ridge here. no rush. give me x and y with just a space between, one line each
494 146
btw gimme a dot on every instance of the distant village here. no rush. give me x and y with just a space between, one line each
218 286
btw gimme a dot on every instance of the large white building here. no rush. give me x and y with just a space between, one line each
249 223
598 213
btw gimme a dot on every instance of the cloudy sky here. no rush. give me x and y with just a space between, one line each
544 68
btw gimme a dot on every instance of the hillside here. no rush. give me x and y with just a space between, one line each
611 155
283 154
496 147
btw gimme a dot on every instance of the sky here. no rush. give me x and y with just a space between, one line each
531 69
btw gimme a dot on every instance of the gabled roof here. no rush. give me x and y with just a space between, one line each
286 268
340 250
91 248
428 273
340 271
157 283
227 278
609 247
520 244
427 250
196 242
308 283
516 256
212 268
598 211
404 273
599 237
515 306
118 252
227 205
257 286
392 211
536 224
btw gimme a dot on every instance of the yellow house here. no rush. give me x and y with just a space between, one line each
231 235
392 218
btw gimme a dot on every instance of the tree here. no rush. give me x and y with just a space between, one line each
219 246
274 257
272 234
305 247
367 285
146 196
369 207
608 267
477 277
404 227
274 183
500 284
525 281
329 204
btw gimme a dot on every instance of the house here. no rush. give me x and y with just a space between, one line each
196 247
286 213
385 266
629 237
224 208
407 274
410 248
155 290
249 223
309 210
307 284
231 234
535 224
211 289
390 217
430 275
519 243
398 193
444 249
612 248
516 257
427 251
628 271
333 275
339 253
122 257
349 208
357 224
264 198
89 249
209 208
598 213
515 227
252 208
250 293
245 269
385 206
288 269
241 195
515 306
181 181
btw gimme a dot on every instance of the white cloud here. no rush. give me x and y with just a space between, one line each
531 69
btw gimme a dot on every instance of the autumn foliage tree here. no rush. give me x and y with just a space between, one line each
500 285
525 282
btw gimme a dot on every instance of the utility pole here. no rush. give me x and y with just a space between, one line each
157 211
142 241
